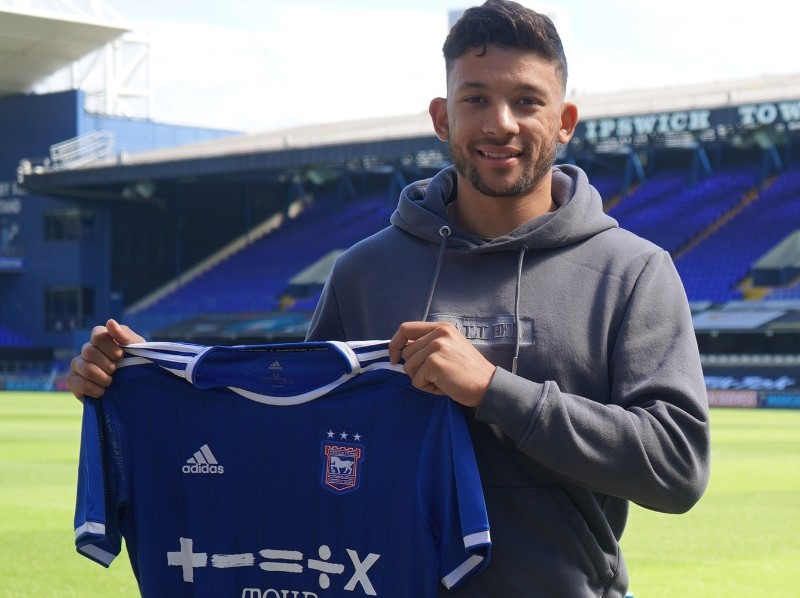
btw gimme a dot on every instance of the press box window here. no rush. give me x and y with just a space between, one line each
68 225
68 308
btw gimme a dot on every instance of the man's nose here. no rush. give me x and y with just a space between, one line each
500 120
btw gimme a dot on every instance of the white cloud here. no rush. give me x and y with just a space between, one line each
268 65
305 67
632 44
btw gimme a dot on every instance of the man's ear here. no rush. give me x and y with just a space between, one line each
438 111
569 120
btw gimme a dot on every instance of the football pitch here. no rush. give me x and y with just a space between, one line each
742 539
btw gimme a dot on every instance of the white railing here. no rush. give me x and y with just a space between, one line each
96 145
88 148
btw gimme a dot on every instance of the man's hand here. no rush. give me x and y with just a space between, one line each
440 360
91 372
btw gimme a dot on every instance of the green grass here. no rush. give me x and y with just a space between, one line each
39 442
742 539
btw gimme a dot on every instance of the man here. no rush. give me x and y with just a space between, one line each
503 285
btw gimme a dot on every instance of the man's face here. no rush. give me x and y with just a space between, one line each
504 112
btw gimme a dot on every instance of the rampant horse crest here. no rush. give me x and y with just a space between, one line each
341 466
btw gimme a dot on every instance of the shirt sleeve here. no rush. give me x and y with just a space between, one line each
97 531
452 497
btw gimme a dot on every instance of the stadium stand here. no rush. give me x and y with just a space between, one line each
609 186
231 287
715 229
669 213
10 338
717 265
665 210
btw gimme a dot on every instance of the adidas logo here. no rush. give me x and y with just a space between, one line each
203 461
275 365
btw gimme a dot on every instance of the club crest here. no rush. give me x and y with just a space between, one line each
341 462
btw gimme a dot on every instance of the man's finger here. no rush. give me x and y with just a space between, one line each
407 334
86 378
98 356
81 387
423 375
90 371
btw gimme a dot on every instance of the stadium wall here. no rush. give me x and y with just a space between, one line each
54 252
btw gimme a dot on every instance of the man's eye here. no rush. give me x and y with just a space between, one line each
530 102
473 99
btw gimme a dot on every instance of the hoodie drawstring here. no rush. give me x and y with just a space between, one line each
444 233
516 311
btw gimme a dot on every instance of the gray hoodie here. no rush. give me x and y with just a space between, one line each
607 403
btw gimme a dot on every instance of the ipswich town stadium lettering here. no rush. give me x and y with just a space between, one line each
647 124
768 114
748 115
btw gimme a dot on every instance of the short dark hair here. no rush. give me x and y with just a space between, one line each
507 24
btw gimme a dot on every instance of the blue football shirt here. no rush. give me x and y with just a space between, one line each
287 470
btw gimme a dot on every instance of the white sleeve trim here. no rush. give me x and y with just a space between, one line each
91 527
461 571
477 539
98 554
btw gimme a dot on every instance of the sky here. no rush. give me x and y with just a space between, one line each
261 65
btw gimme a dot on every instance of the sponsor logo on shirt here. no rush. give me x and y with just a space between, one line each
189 558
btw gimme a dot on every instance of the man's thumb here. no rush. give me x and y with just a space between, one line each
121 334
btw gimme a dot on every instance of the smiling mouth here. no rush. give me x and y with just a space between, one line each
502 155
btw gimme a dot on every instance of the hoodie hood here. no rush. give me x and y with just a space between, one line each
422 213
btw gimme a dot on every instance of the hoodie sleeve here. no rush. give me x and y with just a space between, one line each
650 442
